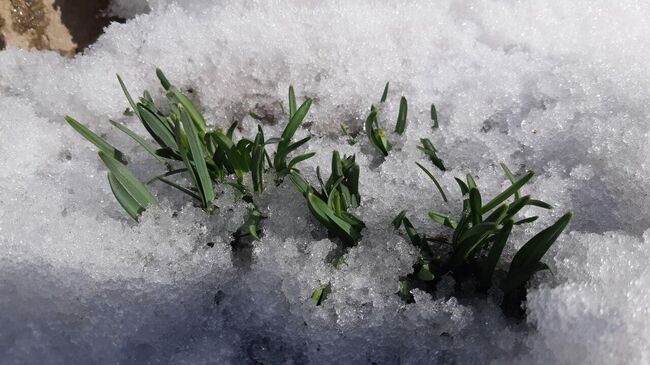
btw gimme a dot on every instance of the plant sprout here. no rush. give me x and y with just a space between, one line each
181 141
477 241
205 156
330 204
376 134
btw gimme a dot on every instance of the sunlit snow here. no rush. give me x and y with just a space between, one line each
558 87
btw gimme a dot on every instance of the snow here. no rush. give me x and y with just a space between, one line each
554 86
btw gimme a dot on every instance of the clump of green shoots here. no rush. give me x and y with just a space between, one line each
377 134
330 206
207 157
330 203
477 241
181 141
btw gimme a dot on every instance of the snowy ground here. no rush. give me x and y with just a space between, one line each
559 87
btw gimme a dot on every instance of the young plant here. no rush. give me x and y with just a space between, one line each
478 239
285 146
434 116
432 153
377 134
330 204
129 192
207 157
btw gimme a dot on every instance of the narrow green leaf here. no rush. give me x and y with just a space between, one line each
401 116
231 129
168 173
321 294
384 95
397 221
428 149
490 262
130 205
163 80
294 122
295 146
198 157
434 116
301 184
299 159
373 134
128 181
540 204
477 230
443 219
141 141
340 227
292 102
98 141
442 193
195 115
257 168
186 160
464 189
471 183
510 176
498 215
525 262
468 243
233 158
157 128
526 220
507 193
179 187
518 204
475 206
128 95
425 274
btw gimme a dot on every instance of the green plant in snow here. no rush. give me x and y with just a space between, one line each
376 134
477 241
432 153
285 145
207 157
330 203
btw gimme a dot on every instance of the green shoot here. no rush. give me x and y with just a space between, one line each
321 293
285 146
435 181
351 139
207 157
340 193
384 95
141 141
98 141
132 195
478 240
434 116
401 117
376 134
431 152
292 101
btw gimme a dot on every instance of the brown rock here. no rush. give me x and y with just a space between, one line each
34 24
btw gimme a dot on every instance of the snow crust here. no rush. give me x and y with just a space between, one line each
554 86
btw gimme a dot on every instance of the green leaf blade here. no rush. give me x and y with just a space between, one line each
98 141
130 183
401 116
512 189
198 157
141 141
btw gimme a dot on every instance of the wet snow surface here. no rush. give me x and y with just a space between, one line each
559 87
